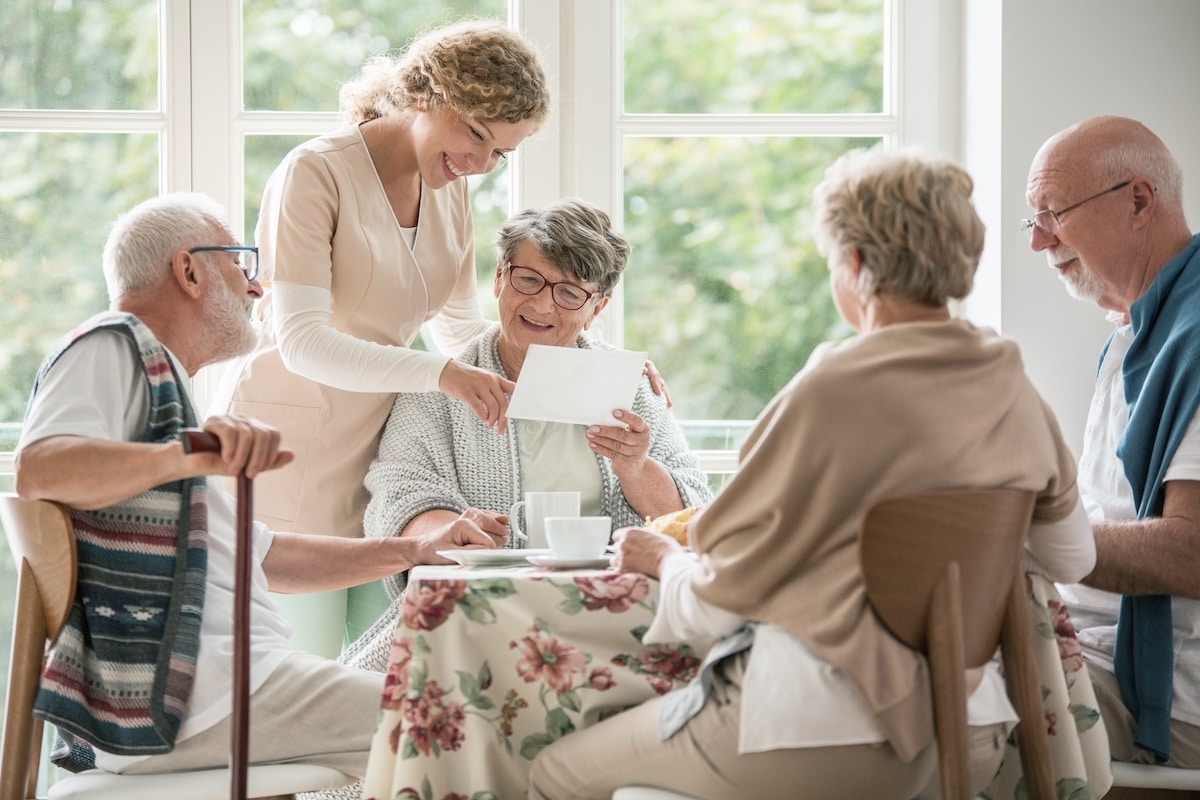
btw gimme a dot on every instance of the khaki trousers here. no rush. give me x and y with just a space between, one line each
1119 723
311 709
702 759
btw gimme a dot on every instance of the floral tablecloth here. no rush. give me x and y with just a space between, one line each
1079 754
490 665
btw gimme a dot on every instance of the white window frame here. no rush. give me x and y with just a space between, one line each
578 152
921 105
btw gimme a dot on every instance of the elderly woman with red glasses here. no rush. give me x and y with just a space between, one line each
440 466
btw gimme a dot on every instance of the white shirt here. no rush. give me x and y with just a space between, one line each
791 697
96 390
1108 497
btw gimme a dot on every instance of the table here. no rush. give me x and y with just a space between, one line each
490 665
1079 754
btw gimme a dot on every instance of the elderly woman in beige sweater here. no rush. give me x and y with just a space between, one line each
808 695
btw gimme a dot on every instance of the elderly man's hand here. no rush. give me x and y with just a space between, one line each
640 550
475 529
246 444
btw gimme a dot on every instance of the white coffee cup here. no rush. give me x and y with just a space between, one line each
578 537
538 506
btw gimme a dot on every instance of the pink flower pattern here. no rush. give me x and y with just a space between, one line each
395 682
431 723
437 704
1069 649
615 592
428 605
546 658
663 667
602 679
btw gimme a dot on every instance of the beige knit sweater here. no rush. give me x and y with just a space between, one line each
906 408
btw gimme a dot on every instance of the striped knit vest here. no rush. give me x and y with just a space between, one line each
120 673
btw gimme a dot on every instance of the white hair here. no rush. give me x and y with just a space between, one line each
144 239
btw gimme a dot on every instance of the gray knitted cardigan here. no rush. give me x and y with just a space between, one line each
435 453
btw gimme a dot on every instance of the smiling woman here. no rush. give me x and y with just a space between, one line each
365 234
708 179
440 466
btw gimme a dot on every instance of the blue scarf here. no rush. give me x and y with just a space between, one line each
1161 375
120 673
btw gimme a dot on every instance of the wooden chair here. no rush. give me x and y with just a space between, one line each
916 553
42 540
944 573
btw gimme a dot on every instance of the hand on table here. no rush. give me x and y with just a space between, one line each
475 529
640 550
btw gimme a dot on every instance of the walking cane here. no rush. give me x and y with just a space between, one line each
198 441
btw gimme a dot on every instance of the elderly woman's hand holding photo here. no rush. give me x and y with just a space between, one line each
440 461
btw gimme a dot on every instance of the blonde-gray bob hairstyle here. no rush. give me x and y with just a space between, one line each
908 212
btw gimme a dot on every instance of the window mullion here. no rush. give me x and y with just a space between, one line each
216 98
175 95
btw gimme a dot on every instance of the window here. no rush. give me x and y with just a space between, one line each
701 125
719 122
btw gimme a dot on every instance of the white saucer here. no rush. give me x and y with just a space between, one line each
550 562
499 556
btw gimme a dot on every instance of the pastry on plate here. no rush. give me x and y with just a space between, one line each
674 524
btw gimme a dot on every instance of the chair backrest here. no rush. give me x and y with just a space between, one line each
42 541
917 552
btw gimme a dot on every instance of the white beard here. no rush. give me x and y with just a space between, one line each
226 322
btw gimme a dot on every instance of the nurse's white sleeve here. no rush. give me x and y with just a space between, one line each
681 615
459 321
312 348
1064 551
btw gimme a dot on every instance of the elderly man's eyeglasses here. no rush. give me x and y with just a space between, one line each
529 281
1050 222
247 257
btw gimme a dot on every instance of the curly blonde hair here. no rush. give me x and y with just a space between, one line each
909 213
477 68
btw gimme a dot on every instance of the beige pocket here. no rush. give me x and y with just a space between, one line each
277 492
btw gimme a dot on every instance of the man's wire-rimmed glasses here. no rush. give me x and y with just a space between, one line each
247 256
527 280
1050 222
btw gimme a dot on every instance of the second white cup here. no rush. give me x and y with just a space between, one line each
578 537
537 506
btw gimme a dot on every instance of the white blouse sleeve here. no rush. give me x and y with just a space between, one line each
460 319
1063 551
312 348
681 615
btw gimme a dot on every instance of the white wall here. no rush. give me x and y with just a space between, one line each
1055 62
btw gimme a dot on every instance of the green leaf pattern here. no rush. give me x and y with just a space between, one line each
462 688
1078 749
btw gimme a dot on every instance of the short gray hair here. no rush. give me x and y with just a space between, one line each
1128 159
574 236
144 239
908 212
